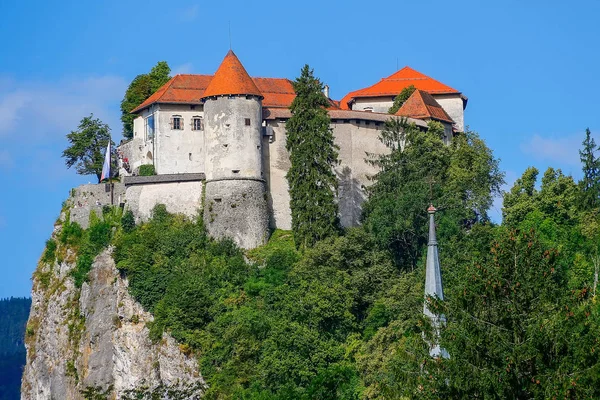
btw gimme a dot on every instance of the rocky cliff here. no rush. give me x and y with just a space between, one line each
91 342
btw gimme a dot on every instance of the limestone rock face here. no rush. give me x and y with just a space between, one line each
94 341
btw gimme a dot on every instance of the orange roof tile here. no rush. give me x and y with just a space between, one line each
393 85
231 78
189 89
422 105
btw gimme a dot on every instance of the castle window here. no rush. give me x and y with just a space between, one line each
176 122
149 127
197 123
247 121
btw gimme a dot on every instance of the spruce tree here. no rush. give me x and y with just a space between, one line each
312 182
590 184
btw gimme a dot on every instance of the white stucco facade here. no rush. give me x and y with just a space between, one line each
454 105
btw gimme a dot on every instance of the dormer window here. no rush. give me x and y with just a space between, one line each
176 122
197 123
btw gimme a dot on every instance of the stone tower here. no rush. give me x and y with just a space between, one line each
235 195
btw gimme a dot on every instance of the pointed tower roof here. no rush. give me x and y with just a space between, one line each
231 78
433 285
422 105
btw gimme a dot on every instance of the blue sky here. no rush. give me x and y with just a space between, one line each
530 70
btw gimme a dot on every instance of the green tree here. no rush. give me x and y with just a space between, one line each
401 98
590 183
87 147
312 181
142 87
513 331
460 179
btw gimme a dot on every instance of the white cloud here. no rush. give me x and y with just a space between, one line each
563 150
38 109
182 69
189 14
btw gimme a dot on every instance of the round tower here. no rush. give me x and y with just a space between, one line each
235 198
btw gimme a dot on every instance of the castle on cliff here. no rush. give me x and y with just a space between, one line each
217 144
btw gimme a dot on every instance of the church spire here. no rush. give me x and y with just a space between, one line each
433 286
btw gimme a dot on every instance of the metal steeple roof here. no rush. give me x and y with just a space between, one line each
433 285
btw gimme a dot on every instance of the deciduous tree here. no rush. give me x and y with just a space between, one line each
142 87
87 147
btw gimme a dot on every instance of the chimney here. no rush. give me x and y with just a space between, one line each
326 91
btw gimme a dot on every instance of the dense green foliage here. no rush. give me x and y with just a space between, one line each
460 179
312 182
87 147
343 317
88 243
147 170
142 87
13 317
401 98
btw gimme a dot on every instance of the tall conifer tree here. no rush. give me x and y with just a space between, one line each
590 184
312 182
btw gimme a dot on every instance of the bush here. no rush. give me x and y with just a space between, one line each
128 221
147 170
50 251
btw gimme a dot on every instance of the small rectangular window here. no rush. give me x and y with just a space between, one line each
149 127
247 121
197 124
176 122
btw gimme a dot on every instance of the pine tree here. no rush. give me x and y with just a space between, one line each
312 182
590 184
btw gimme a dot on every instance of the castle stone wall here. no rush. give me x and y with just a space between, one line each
237 209
179 197
354 138
453 105
87 198
233 148
276 162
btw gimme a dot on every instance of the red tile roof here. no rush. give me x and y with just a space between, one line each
189 89
422 105
231 78
393 85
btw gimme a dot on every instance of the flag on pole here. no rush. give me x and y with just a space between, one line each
106 166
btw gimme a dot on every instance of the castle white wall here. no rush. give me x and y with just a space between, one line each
453 105
354 141
178 151
276 162
179 197
375 104
233 148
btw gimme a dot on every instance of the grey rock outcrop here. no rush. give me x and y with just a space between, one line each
95 340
